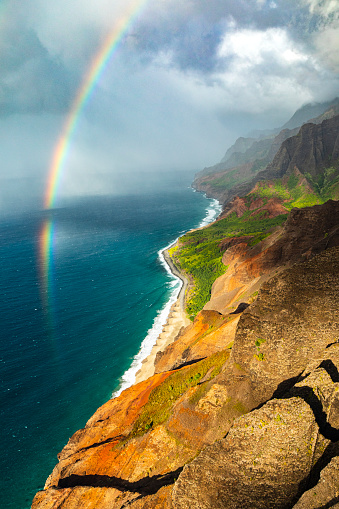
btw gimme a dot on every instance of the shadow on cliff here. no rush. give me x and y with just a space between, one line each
145 486
328 431
330 504
308 395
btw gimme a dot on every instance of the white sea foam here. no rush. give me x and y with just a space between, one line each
212 213
128 378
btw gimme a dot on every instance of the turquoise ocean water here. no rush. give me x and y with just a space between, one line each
109 293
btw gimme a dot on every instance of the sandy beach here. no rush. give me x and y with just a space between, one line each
176 320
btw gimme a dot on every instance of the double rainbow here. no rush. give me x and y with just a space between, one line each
62 148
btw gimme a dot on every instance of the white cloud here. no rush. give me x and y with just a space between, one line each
153 108
325 8
325 37
327 47
250 48
76 29
264 69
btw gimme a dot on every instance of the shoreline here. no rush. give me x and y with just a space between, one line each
175 323
173 269
175 320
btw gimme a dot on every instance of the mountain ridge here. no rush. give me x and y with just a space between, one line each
238 168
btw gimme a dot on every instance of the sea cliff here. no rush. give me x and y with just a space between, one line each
241 409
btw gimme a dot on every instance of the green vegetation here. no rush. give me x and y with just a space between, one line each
259 356
199 254
259 342
293 193
230 178
326 185
161 400
172 250
300 190
226 181
252 297
259 164
240 407
277 190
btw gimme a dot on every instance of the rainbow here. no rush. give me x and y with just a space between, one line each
46 248
91 79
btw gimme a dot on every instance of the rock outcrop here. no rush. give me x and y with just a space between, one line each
326 492
270 455
306 231
210 333
314 148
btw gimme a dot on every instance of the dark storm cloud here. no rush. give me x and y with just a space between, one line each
46 48
30 79
193 33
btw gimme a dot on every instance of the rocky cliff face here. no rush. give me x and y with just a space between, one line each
310 150
279 353
306 231
240 146
240 166
315 111
314 148
271 455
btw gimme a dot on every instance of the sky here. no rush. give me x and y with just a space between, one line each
187 78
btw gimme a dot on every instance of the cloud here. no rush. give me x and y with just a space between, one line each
326 8
327 44
72 30
250 48
187 79
49 46
325 37
30 79
264 68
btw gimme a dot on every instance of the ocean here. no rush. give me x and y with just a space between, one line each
75 321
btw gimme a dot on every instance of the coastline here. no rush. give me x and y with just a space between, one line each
173 318
175 323
173 269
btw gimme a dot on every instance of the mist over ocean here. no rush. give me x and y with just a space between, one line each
63 354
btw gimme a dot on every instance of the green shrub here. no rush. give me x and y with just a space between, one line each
162 398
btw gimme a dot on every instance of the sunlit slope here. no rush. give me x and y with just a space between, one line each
251 218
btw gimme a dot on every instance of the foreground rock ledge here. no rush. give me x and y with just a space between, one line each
268 456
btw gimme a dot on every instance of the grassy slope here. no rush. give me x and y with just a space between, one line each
300 191
162 398
230 178
198 253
